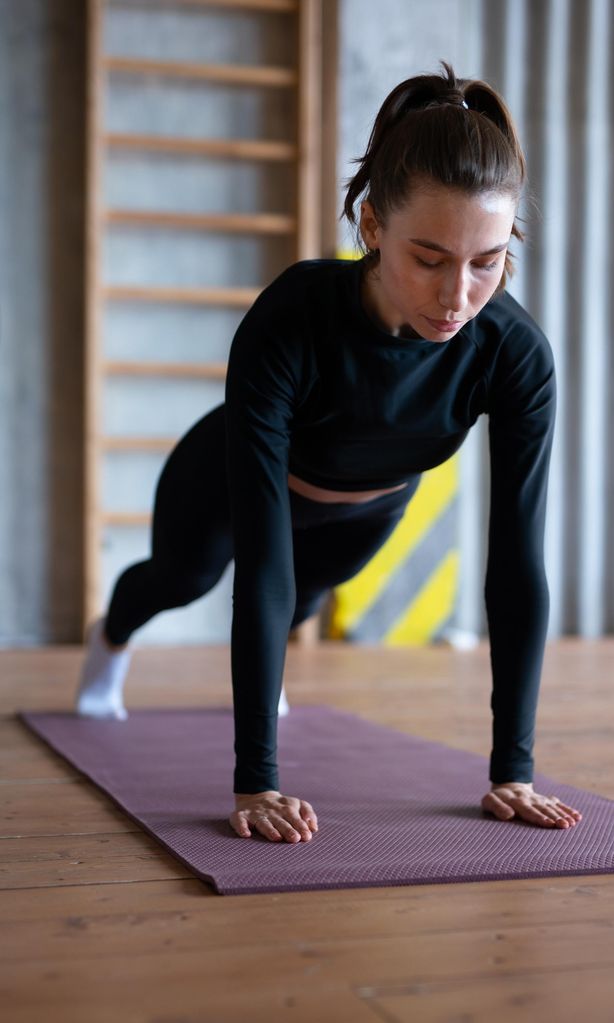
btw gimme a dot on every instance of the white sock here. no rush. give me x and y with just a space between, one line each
101 685
283 706
100 693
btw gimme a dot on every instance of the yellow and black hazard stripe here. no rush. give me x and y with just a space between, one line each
406 593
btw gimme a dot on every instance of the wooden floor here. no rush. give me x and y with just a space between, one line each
100 923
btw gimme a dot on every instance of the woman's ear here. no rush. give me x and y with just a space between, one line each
369 227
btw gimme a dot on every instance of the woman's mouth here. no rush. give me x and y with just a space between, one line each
444 326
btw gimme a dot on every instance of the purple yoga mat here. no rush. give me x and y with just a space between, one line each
393 809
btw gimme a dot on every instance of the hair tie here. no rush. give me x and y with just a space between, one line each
465 105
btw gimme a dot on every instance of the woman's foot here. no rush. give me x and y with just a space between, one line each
283 706
100 693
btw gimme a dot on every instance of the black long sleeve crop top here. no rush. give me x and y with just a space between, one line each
314 387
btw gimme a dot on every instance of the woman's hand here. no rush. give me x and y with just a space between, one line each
510 798
276 817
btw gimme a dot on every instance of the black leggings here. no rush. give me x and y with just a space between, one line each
192 545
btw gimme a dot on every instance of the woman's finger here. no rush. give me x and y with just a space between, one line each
285 829
551 812
300 826
556 811
266 827
543 813
535 814
569 809
497 806
560 813
240 823
560 816
504 810
308 814
289 820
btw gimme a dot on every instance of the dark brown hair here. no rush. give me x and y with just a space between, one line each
423 132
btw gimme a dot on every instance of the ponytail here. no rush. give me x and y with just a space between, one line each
457 132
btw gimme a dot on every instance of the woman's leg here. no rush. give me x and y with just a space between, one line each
191 547
191 539
332 542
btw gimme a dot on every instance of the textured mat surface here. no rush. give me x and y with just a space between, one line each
393 809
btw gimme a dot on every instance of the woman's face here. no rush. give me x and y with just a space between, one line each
441 258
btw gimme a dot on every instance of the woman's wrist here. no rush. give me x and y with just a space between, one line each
499 784
264 792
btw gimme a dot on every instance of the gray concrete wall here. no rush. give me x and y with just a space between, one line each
41 319
42 116
381 44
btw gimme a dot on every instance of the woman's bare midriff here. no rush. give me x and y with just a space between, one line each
322 494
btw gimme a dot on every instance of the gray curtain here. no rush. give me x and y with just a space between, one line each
552 61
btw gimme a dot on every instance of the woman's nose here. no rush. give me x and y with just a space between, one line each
453 293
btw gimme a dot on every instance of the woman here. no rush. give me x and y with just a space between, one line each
345 381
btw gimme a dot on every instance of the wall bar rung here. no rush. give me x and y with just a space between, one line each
126 518
122 443
230 223
235 297
224 74
265 6
206 370
232 149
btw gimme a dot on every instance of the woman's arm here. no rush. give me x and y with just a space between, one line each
521 427
260 394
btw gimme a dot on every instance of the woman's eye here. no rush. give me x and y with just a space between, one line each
423 263
479 266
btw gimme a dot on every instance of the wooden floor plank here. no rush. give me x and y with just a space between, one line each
71 921
45 808
87 895
23 757
492 955
83 859
527 997
521 999
184 1002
